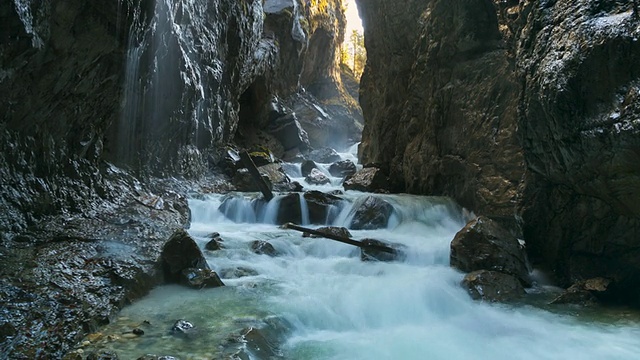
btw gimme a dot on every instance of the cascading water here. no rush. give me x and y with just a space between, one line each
317 300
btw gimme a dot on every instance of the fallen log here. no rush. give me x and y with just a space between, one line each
255 174
370 249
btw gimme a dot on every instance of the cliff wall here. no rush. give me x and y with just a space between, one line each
525 111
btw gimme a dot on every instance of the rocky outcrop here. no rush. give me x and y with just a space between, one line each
523 111
580 111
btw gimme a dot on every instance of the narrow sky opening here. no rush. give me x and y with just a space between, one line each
353 18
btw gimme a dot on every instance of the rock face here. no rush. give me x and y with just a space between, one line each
448 83
483 245
155 88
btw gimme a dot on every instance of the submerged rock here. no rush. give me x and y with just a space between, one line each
156 357
103 355
238 272
371 213
399 251
586 292
492 286
179 253
200 278
261 247
483 245
182 327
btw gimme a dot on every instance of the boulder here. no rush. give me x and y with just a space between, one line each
273 174
289 209
179 253
484 245
585 292
320 205
307 166
261 157
371 213
200 278
492 286
324 155
261 247
367 180
331 230
342 168
215 243
317 177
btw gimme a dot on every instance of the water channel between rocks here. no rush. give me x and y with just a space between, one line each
317 300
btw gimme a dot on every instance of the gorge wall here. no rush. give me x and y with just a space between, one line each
104 105
525 111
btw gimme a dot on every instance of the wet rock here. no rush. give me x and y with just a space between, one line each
289 210
335 192
586 292
492 286
103 355
342 168
156 357
307 166
238 272
182 326
261 247
179 253
483 245
138 331
317 177
200 278
215 243
323 208
261 344
368 179
273 174
324 155
331 230
296 187
289 132
371 213
399 251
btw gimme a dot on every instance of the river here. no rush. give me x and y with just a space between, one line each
317 300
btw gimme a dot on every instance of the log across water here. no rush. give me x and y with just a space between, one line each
371 249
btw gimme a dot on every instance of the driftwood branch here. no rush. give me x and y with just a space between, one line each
255 174
342 239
